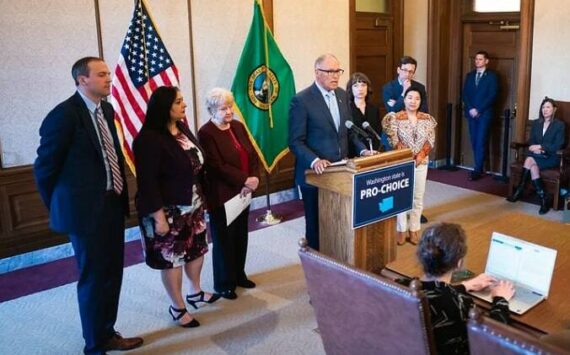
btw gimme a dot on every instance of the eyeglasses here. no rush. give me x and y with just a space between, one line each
409 71
338 72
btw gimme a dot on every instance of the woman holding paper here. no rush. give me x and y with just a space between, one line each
169 200
231 170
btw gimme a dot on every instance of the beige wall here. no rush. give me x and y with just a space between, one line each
38 48
415 35
550 53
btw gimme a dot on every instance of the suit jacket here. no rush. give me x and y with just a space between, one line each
165 175
69 169
393 91
553 138
224 175
312 131
482 96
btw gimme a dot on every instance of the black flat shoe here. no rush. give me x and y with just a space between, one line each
246 284
228 294
181 312
196 298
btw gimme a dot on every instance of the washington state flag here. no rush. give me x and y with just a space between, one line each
263 87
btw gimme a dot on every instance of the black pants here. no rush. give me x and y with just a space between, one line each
100 257
229 249
311 205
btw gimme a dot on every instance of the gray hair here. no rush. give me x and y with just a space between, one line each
217 97
322 57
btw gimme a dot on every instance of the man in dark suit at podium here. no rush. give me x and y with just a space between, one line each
318 136
479 93
80 175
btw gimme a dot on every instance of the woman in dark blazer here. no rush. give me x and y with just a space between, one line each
170 201
546 137
359 90
231 169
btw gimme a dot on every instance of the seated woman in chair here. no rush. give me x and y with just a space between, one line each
546 137
440 252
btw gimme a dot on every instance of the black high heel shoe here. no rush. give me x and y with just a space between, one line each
181 312
193 302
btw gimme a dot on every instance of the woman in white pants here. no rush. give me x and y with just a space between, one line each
412 129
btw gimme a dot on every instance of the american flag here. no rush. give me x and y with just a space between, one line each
143 66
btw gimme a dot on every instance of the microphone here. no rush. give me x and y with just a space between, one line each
371 130
355 128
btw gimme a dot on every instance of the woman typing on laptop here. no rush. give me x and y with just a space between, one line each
440 252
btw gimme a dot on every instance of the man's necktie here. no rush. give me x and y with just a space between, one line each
477 78
107 141
333 107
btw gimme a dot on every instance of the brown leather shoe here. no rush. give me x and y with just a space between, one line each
414 238
117 342
401 238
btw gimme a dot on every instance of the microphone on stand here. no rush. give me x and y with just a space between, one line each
356 129
371 130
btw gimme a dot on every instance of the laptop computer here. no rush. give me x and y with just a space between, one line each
529 266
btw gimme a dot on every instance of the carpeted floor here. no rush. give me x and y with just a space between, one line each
274 318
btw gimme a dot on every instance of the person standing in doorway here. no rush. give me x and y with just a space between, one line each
479 94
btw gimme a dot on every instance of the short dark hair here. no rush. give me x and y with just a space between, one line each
545 100
483 53
416 89
358 78
408 60
158 109
81 67
441 247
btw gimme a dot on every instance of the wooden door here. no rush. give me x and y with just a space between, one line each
502 44
376 42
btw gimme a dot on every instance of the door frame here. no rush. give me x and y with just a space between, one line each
444 75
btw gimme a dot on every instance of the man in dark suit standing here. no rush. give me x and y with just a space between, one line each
318 136
80 175
479 94
393 91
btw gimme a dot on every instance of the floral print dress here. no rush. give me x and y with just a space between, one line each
186 239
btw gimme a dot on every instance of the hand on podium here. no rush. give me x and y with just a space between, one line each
320 165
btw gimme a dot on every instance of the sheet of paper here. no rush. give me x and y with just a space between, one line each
339 163
235 206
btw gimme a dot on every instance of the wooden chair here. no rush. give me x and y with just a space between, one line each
554 178
488 337
361 313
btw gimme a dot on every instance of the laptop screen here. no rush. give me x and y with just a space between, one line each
526 264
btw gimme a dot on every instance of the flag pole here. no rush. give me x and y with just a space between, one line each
268 218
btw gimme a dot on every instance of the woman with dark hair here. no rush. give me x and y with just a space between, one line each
441 252
546 137
232 168
415 130
170 200
359 89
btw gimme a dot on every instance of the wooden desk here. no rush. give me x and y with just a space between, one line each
550 315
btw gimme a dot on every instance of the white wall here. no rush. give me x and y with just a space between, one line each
550 53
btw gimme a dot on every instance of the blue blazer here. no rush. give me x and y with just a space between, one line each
312 131
393 91
69 169
482 96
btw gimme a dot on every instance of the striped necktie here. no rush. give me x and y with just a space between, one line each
333 107
112 159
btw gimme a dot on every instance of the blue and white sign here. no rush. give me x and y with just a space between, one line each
382 193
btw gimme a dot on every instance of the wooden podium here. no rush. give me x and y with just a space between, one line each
370 247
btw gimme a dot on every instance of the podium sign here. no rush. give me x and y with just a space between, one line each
382 193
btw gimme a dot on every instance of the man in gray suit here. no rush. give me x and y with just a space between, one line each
318 136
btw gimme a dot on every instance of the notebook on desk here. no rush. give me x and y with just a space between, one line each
529 266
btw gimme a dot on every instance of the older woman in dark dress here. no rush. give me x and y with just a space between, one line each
546 137
170 200
440 252
231 169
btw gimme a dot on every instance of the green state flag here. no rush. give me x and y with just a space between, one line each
263 87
